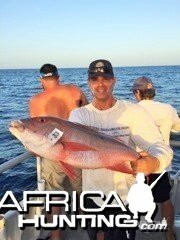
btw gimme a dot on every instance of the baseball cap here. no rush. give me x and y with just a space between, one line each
100 67
48 70
142 83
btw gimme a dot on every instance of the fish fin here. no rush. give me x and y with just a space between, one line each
121 168
72 146
68 170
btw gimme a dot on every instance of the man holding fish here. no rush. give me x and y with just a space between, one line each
130 124
108 159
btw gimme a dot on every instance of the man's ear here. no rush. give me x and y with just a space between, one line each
41 81
138 95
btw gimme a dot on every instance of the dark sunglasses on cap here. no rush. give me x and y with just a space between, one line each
99 70
55 74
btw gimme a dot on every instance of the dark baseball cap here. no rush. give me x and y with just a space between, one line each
48 70
142 83
102 68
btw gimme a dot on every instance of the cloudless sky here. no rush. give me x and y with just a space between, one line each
72 33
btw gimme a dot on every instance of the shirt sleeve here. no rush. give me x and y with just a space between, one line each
75 116
146 136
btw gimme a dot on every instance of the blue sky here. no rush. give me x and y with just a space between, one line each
72 33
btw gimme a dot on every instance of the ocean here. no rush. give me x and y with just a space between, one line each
18 85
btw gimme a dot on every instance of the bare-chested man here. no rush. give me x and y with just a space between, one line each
56 100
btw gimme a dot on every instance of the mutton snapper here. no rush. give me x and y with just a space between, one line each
73 145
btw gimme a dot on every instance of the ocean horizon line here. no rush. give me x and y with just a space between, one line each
176 65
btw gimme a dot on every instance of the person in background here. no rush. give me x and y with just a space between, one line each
166 118
56 100
127 122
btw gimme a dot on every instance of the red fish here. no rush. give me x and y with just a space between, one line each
73 145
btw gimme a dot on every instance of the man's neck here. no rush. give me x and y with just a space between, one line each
51 86
103 105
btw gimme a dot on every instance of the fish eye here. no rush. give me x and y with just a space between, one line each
42 120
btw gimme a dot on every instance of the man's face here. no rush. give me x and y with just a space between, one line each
101 87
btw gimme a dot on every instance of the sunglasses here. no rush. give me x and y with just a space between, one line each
99 70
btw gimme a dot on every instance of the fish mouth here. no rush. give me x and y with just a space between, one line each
18 125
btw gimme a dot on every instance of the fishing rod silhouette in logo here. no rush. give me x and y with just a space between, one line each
140 197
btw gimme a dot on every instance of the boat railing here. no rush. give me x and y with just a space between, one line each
9 220
15 161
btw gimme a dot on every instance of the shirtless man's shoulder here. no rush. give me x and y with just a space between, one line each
70 87
75 92
54 101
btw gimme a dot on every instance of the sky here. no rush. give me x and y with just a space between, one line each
72 33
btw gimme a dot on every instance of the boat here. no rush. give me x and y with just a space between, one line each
9 229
